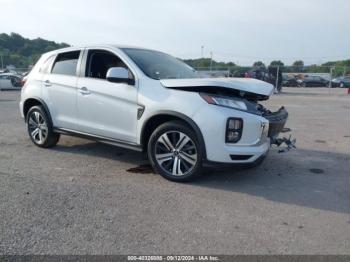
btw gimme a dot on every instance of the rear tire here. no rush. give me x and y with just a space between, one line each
175 152
40 128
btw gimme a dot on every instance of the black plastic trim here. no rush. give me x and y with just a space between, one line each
277 121
97 138
209 163
240 157
128 81
43 104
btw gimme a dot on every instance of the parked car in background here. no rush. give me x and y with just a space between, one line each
10 81
289 81
313 81
343 81
10 71
24 74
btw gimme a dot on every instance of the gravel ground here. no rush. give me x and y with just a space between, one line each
79 198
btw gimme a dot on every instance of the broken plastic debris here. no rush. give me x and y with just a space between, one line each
288 142
286 130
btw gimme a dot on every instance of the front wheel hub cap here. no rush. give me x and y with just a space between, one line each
37 127
176 153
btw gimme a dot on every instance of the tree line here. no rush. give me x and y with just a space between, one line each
23 52
338 67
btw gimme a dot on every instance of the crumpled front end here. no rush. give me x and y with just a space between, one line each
277 121
235 127
259 129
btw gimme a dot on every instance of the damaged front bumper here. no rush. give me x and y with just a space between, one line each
259 129
277 121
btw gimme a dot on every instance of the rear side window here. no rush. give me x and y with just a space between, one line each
45 69
66 63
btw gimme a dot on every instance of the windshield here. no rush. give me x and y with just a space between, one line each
158 65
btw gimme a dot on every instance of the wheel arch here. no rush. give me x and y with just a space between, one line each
162 117
35 101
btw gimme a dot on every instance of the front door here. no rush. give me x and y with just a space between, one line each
104 108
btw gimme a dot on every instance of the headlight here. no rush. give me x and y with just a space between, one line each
224 101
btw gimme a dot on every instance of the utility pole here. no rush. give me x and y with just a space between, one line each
2 62
202 51
278 71
2 65
330 81
211 60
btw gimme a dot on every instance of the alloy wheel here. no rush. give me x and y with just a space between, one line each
37 126
176 153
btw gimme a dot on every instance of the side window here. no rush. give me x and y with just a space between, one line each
99 61
66 63
45 69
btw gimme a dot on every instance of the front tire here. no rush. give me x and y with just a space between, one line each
175 152
40 128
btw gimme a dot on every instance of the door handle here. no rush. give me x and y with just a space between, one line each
47 83
84 91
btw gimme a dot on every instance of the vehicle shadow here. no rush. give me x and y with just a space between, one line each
301 177
308 178
95 149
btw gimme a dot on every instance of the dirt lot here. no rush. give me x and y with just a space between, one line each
79 198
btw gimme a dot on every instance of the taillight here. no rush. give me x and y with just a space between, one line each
23 81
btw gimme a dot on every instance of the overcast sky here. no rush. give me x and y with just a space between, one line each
241 31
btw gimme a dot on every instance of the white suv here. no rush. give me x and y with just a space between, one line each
148 101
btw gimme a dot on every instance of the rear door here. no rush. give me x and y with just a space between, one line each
59 88
104 108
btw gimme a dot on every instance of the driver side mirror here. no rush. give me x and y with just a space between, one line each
119 75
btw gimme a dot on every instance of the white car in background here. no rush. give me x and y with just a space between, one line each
149 101
9 81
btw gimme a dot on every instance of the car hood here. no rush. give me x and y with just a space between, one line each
242 85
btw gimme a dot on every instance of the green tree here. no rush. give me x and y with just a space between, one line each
298 66
277 63
298 63
259 64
